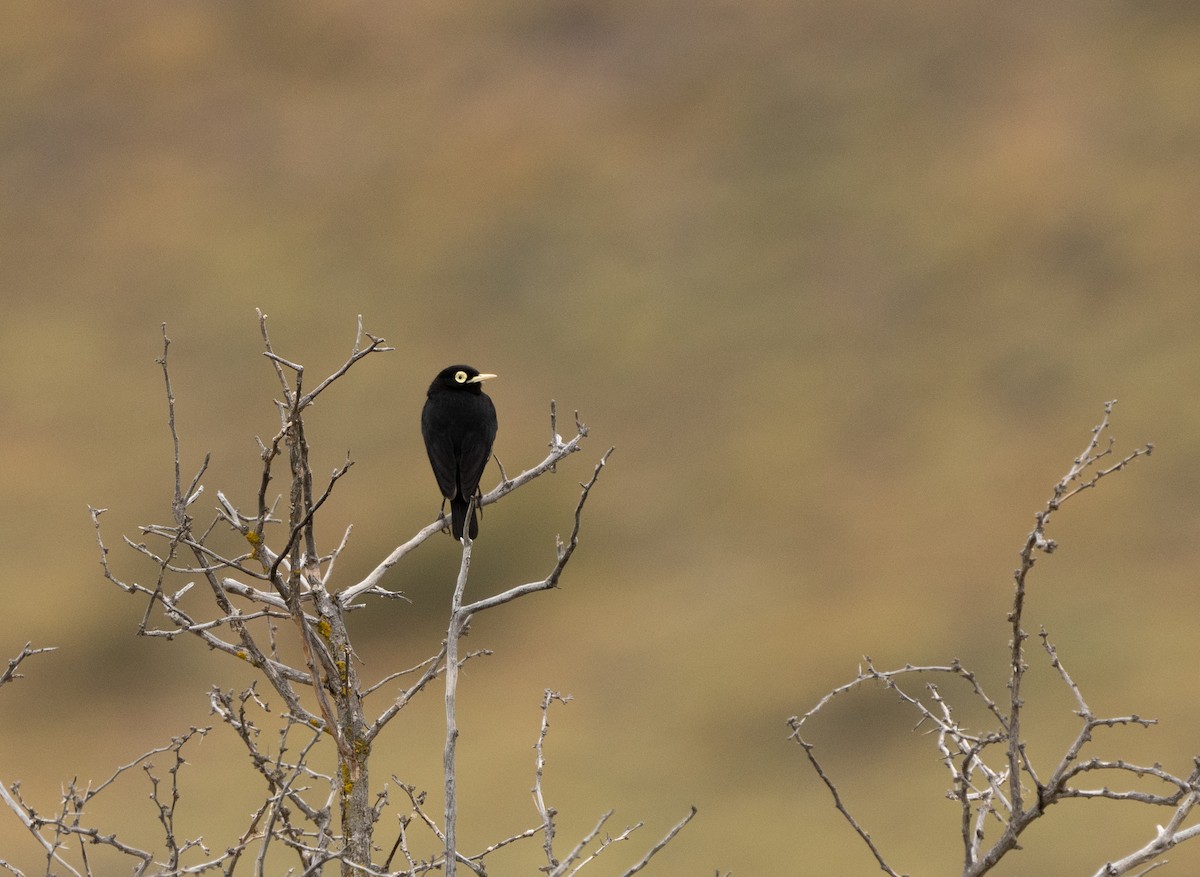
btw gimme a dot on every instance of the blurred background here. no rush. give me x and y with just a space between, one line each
845 284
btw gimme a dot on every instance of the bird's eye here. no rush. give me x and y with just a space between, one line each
460 377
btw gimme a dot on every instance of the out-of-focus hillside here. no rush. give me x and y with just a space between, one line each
846 285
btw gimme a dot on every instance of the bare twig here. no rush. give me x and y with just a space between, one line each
564 552
658 847
547 814
577 852
558 451
28 651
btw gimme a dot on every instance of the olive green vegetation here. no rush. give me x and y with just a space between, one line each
846 285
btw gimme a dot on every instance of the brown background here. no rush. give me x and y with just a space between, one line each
846 285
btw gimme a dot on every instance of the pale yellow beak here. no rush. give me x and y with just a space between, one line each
480 379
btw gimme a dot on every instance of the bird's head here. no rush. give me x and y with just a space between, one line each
459 378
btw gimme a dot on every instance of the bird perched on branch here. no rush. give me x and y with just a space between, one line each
459 426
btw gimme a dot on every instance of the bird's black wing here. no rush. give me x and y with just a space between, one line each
477 447
440 445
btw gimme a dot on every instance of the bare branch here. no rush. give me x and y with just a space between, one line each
433 668
841 808
1037 541
546 813
357 352
605 843
558 451
68 822
1166 837
564 554
578 850
986 794
667 838
458 623
28 651
306 521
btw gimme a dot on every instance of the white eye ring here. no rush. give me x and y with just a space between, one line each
460 377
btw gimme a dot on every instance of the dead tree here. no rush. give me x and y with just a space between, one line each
277 604
1000 792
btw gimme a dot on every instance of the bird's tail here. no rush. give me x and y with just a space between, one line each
459 508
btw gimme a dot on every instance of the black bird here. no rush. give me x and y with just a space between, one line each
459 426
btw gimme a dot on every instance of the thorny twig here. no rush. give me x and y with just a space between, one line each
999 795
